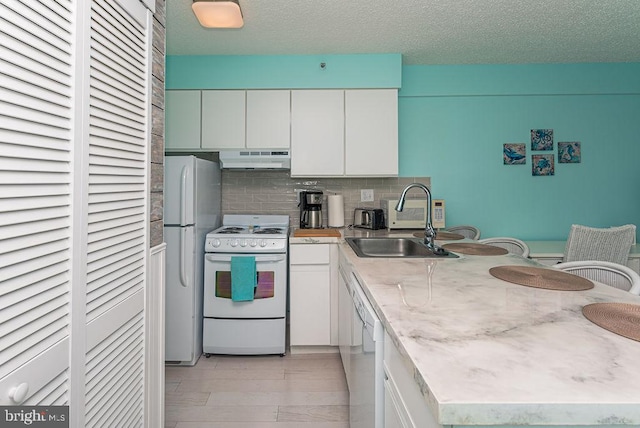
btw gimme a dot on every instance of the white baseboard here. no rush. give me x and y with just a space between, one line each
314 350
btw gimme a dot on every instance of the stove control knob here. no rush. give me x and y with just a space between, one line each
253 243
234 242
216 243
263 243
243 243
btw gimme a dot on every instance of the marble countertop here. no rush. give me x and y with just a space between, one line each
488 352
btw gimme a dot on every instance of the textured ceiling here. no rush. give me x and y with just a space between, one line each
423 31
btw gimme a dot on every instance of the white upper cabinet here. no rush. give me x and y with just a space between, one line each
213 120
330 132
371 132
340 133
182 120
223 119
317 133
268 119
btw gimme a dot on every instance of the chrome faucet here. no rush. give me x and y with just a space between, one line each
429 231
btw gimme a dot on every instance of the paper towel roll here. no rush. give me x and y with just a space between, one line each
336 210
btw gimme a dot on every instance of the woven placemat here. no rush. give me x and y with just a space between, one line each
444 236
537 277
618 318
474 249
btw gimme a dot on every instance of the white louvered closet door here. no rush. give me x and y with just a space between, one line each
74 131
119 131
36 184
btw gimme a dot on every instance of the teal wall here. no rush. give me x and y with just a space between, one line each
454 120
284 71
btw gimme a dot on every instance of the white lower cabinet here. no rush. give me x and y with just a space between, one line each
395 413
312 313
404 403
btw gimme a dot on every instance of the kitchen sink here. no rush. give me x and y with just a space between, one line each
393 247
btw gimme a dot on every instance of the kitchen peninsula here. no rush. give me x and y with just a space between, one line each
482 351
488 352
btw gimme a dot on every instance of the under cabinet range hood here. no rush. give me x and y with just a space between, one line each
255 159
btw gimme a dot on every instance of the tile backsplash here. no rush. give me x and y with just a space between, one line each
276 192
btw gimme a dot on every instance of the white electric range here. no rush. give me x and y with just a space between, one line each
258 325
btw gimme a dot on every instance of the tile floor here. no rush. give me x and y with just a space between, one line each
294 391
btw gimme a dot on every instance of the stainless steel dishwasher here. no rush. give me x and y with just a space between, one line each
366 393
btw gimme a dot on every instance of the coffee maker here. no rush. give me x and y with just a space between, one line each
311 209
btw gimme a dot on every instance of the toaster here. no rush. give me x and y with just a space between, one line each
368 218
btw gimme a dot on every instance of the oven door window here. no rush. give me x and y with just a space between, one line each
270 295
264 290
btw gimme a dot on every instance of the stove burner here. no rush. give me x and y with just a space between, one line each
231 229
268 231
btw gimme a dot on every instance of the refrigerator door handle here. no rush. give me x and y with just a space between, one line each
183 251
183 195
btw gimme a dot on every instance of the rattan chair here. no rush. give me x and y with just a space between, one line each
605 245
513 245
470 232
613 274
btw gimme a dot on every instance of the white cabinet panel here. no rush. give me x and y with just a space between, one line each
402 395
310 283
345 319
395 412
317 133
371 132
310 254
182 120
268 119
223 119
340 133
310 310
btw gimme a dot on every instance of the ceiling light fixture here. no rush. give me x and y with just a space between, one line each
218 13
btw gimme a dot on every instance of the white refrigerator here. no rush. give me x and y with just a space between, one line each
191 210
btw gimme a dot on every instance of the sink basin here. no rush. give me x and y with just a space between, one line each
392 247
